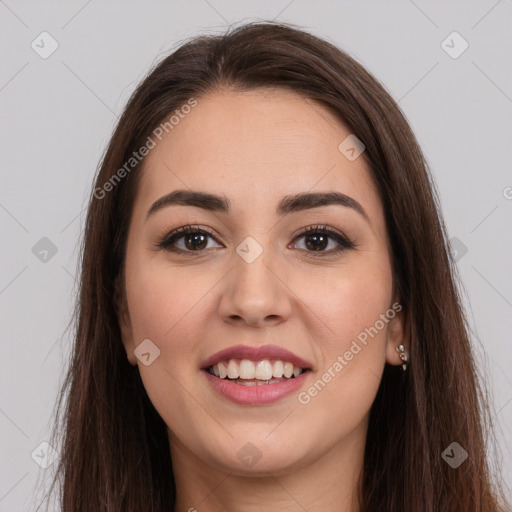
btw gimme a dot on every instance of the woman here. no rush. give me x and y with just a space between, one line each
268 315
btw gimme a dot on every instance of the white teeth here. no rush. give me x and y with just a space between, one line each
264 370
223 371
233 370
278 370
261 370
247 369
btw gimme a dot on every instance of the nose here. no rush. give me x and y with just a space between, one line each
255 294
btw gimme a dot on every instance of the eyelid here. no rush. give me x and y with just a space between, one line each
183 230
317 227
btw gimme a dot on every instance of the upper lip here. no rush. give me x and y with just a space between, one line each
256 354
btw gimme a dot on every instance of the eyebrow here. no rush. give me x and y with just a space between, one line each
289 204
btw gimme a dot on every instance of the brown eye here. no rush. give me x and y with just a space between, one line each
317 241
318 238
195 241
186 239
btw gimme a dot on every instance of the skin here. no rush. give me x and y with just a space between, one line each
256 147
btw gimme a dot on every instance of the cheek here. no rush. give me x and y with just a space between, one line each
168 306
162 300
353 340
353 354
164 305
347 300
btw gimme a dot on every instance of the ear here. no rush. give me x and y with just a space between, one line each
123 317
397 334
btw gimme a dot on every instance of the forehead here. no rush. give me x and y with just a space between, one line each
254 147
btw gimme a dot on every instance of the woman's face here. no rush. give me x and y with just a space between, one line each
249 295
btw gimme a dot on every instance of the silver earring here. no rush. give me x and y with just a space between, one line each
403 356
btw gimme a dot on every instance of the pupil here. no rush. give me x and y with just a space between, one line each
316 237
193 245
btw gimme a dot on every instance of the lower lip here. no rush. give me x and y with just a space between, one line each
256 395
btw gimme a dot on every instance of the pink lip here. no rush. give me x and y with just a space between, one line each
255 395
270 352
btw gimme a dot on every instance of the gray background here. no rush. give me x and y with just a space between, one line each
58 113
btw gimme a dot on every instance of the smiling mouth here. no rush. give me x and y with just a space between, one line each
255 373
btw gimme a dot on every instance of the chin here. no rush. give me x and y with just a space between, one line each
257 454
261 462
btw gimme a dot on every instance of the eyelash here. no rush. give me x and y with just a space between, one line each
343 241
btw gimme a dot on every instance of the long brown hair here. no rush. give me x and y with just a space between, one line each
114 451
